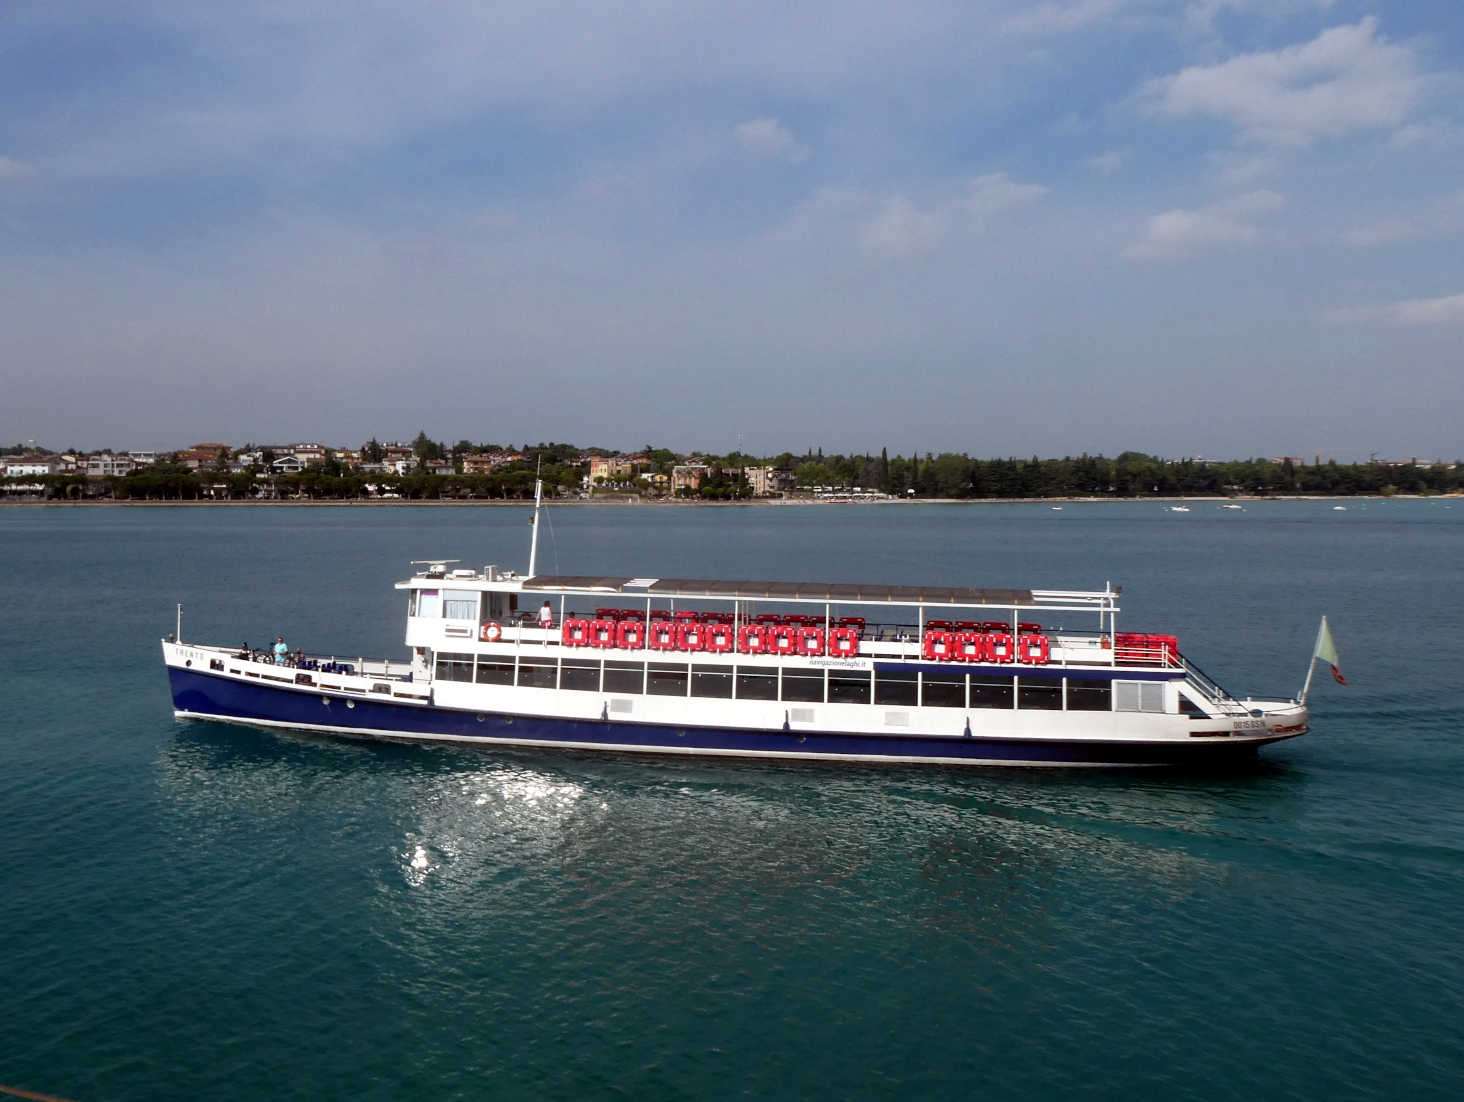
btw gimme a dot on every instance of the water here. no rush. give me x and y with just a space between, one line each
195 910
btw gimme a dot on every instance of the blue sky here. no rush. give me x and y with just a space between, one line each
1198 227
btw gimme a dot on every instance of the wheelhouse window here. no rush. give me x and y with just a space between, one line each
429 602
460 604
454 667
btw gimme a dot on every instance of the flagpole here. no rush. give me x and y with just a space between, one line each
1312 665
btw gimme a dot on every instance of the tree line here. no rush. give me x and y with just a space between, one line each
947 475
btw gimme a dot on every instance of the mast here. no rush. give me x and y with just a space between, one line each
534 540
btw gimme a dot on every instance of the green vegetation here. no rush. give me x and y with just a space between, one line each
948 475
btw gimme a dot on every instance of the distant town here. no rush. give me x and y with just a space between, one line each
425 469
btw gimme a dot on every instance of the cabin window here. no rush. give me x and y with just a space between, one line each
1138 696
713 681
454 667
991 692
1084 695
848 688
625 677
459 604
536 673
429 602
1039 694
667 679
943 690
495 673
757 683
898 687
580 674
806 685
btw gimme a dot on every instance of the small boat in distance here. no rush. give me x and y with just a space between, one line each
1179 508
1232 505
1339 508
812 670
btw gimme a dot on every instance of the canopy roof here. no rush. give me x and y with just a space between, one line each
787 591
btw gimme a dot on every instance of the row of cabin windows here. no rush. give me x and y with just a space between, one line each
899 688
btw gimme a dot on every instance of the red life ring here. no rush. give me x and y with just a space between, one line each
491 632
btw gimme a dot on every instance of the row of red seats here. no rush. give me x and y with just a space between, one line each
1136 647
1030 648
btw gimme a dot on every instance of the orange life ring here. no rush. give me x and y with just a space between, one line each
491 632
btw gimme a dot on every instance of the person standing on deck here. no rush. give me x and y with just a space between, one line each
280 650
546 616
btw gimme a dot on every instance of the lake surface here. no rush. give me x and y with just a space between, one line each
199 910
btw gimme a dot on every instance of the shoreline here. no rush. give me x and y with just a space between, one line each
758 503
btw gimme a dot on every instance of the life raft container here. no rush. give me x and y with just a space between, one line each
844 642
999 647
661 635
690 635
602 633
810 640
630 634
719 637
751 639
937 646
1033 650
782 639
969 646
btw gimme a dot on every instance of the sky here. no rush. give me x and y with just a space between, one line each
1219 228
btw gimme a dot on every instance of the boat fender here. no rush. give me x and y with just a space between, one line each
491 632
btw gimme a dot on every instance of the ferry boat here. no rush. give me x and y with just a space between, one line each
797 670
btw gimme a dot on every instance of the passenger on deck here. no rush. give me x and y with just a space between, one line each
546 617
280 650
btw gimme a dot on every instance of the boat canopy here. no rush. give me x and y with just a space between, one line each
820 591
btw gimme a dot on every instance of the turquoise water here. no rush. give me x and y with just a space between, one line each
195 910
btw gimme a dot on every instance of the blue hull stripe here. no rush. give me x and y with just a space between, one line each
204 695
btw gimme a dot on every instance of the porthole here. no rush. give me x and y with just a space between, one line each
350 704
189 663
325 700
481 717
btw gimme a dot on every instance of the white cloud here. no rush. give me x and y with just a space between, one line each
1409 312
1435 132
1053 17
11 169
770 138
1202 13
1347 78
1442 218
1243 170
1176 234
1106 164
